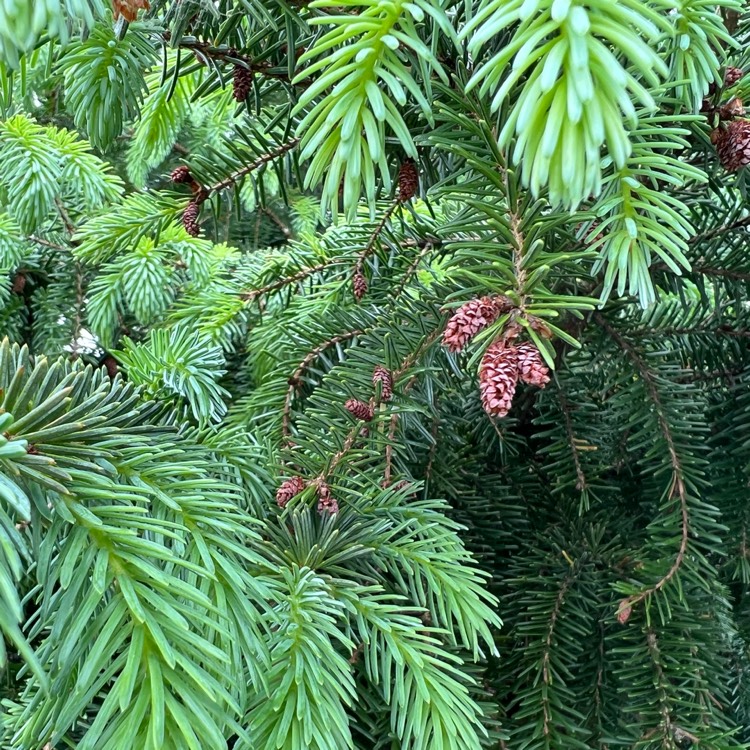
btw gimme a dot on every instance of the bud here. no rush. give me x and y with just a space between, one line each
624 610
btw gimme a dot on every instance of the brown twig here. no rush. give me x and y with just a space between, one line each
581 484
677 486
296 379
374 236
286 281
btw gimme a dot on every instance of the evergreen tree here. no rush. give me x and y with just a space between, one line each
374 375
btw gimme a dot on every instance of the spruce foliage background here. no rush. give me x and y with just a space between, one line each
263 265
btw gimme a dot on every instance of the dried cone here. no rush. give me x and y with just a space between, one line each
326 502
181 174
289 489
408 181
359 282
469 320
242 82
733 145
531 366
110 365
732 75
383 376
190 219
19 283
128 9
498 376
359 409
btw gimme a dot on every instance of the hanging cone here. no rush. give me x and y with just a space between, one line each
190 219
383 376
359 409
359 282
470 319
531 366
242 82
498 376
408 181
289 489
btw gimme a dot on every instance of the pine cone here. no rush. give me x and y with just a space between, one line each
498 376
383 376
289 489
733 145
242 82
359 409
408 181
359 283
469 320
181 174
531 366
326 502
190 219
732 75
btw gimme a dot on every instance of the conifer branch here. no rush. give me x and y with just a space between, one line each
295 381
253 294
677 487
581 483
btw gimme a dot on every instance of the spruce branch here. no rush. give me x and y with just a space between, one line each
677 487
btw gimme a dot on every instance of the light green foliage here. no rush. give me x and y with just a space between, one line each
370 79
105 82
23 23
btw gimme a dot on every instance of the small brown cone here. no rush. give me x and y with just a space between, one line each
359 283
408 181
181 174
326 502
383 376
733 145
531 366
190 219
469 320
732 75
289 489
498 377
359 409
242 82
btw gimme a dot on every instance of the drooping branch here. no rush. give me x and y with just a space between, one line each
677 486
